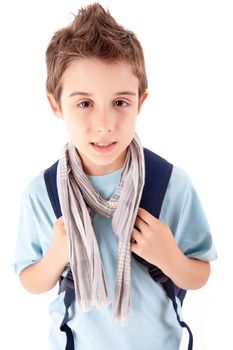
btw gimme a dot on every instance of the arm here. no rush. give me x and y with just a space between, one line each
185 272
43 275
155 243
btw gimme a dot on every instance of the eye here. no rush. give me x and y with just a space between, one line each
84 104
121 103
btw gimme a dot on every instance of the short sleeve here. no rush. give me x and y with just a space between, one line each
36 221
182 211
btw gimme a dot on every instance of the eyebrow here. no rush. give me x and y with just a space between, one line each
75 93
131 93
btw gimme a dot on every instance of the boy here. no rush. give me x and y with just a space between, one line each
97 84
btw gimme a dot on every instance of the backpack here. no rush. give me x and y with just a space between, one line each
157 176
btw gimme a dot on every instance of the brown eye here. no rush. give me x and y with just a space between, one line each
84 104
121 103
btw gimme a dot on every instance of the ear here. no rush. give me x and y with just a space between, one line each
55 106
142 99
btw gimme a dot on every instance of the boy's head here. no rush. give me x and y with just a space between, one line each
97 84
93 33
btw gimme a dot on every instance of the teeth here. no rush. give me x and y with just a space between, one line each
103 144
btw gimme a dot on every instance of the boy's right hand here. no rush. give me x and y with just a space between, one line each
44 274
60 241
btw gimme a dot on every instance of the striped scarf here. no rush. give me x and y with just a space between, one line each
76 193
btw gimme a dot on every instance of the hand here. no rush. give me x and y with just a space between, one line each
60 241
153 240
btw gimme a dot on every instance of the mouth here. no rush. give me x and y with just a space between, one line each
104 147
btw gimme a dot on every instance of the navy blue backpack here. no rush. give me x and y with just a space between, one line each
157 176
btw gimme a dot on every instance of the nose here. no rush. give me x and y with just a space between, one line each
104 121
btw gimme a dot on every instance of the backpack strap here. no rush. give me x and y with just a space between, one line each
157 176
50 177
67 286
171 291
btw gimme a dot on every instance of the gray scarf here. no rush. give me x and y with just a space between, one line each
76 193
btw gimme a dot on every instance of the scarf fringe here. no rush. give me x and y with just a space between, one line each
121 305
88 305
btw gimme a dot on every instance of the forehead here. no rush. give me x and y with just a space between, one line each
92 75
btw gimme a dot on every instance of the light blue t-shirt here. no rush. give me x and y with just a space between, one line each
152 323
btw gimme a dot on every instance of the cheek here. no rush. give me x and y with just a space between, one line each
74 123
78 130
129 123
127 131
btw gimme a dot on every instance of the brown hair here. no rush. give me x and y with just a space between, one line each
93 33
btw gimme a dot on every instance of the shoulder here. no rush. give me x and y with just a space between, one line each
180 181
180 190
158 165
177 180
36 187
35 197
180 187
161 167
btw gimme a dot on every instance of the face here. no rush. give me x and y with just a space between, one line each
99 104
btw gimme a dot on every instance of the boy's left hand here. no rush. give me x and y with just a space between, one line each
153 240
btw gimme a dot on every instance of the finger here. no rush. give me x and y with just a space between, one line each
136 236
146 216
140 224
134 247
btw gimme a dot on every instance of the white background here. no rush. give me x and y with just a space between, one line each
189 55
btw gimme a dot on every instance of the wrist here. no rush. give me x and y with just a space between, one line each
174 266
